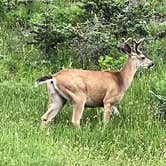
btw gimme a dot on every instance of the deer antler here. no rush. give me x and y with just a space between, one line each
126 41
137 44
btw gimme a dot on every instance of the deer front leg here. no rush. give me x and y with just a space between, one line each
107 112
108 100
109 108
77 112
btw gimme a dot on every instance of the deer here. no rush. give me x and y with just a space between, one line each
88 88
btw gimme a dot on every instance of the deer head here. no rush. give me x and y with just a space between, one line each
134 53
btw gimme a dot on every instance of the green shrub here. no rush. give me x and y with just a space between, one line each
108 62
121 19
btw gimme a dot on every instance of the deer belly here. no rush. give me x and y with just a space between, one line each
94 102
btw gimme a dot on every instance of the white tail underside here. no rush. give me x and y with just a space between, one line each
42 82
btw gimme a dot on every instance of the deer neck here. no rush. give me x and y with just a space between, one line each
127 73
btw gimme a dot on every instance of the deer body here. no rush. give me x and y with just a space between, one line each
86 88
94 85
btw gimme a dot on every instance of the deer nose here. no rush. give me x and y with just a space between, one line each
151 65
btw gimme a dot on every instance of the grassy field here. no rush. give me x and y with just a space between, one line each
134 138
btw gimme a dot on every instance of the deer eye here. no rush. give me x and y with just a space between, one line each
143 58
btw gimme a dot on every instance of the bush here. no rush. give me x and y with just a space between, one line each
121 19
83 30
91 28
108 62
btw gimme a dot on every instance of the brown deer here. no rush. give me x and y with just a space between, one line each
86 88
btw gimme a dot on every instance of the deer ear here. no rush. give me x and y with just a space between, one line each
126 48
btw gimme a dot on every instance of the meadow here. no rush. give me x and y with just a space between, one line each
135 137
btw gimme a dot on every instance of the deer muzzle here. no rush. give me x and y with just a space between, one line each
151 65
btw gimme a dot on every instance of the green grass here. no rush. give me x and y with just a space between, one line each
134 138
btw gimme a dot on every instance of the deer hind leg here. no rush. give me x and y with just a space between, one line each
77 112
56 102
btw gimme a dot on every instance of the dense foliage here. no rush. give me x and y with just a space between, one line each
89 29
